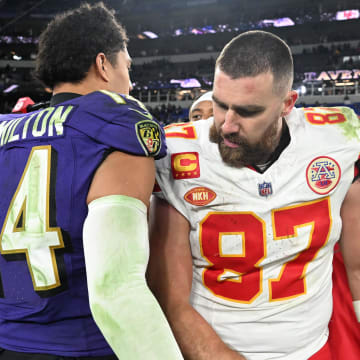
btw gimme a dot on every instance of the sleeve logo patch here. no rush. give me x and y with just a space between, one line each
323 174
185 165
200 196
149 136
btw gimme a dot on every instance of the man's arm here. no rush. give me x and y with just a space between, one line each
350 241
169 276
116 252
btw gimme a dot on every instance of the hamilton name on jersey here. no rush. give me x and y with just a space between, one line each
45 123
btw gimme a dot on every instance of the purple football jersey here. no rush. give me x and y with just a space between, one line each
47 161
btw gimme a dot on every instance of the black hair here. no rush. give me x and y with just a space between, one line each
72 40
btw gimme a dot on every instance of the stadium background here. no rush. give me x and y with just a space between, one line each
174 45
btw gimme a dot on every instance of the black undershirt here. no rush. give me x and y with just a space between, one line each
283 143
62 97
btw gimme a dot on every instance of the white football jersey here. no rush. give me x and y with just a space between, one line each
262 244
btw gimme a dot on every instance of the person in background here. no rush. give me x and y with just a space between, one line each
248 210
75 187
201 108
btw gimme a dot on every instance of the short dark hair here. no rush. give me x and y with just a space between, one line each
70 43
255 52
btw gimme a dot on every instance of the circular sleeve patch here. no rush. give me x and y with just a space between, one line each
323 174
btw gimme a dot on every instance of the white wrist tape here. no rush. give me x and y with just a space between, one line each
116 249
356 304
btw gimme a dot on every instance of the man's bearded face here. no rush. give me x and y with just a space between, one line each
245 153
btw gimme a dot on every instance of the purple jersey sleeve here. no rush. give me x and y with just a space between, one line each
120 122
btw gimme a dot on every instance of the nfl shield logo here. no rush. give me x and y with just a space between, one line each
265 189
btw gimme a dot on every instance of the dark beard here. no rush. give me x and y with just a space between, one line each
246 154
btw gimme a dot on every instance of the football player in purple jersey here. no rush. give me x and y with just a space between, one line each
75 187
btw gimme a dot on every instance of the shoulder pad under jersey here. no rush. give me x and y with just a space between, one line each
119 121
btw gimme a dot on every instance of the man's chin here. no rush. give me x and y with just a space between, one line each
231 156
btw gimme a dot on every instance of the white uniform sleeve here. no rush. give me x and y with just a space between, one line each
116 251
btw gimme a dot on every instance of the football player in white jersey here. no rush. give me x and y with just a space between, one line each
202 108
244 227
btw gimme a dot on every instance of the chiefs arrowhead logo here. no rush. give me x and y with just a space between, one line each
200 196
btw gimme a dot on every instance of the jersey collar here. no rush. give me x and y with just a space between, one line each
62 97
283 143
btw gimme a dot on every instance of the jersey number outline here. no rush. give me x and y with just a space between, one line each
245 283
26 228
180 130
323 116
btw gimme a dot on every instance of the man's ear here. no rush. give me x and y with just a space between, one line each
289 102
101 65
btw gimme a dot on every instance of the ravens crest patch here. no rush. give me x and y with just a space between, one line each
149 136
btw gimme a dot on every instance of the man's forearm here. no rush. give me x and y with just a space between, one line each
354 284
351 255
196 338
350 241
133 324
116 253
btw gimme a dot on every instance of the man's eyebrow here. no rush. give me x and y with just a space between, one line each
215 99
238 108
249 108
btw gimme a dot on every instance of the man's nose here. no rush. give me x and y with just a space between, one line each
231 122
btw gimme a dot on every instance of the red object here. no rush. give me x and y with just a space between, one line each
156 188
357 168
344 330
185 165
323 354
200 196
22 105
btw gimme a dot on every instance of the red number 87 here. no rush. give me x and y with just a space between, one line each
246 285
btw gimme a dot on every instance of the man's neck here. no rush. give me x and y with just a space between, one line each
81 88
279 131
88 85
283 142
